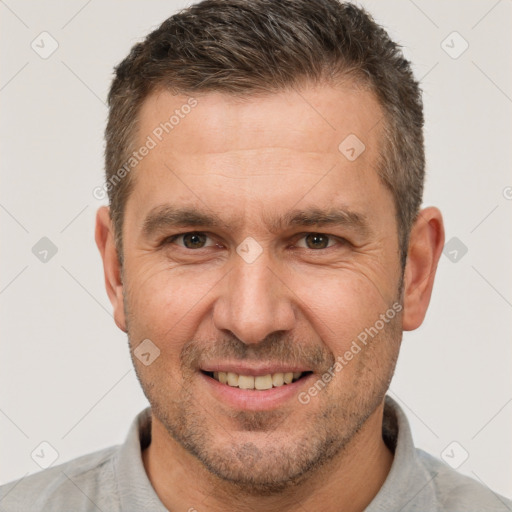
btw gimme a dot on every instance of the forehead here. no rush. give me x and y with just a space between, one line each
314 118
315 145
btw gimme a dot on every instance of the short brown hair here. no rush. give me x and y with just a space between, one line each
244 47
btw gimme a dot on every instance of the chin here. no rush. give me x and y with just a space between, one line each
256 462
266 470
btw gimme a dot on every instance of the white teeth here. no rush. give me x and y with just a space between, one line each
245 382
232 379
278 379
261 382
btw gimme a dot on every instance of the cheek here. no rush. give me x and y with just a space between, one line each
163 301
341 304
166 304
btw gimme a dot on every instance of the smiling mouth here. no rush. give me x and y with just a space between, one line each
260 383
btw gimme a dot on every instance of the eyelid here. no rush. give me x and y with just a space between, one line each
171 239
340 240
335 238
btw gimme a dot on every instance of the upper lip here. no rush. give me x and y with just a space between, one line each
254 370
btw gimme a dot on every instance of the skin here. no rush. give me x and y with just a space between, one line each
299 303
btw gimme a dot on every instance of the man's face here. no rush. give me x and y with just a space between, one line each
256 294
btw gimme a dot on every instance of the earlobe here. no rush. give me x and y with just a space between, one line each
105 240
425 246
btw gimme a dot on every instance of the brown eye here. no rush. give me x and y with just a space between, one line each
317 241
192 240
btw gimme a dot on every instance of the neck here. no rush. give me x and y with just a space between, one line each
348 482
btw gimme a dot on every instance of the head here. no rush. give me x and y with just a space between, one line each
285 137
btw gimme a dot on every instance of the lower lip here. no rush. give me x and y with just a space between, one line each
256 400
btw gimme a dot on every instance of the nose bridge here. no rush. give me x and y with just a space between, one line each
254 302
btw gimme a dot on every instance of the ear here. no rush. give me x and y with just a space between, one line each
105 241
426 243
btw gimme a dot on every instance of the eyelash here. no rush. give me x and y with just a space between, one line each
340 240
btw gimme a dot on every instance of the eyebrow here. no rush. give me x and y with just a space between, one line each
164 217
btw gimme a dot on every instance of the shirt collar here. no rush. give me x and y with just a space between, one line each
135 489
408 486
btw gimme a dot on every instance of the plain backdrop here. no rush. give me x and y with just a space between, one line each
65 373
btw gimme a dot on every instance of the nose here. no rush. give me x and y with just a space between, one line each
254 301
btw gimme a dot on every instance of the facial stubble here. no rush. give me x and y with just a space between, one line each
267 452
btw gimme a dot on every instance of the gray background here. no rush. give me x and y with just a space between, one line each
65 374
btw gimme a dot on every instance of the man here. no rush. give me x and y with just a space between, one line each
264 250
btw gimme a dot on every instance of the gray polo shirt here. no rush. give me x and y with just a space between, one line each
114 479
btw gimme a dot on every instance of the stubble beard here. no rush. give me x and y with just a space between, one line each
264 460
